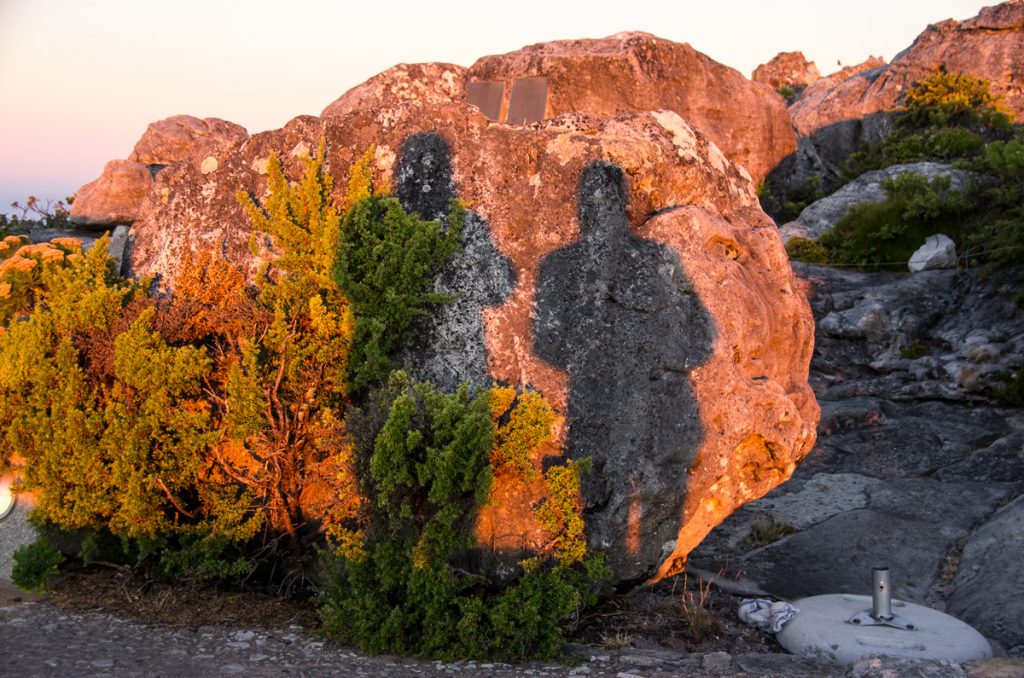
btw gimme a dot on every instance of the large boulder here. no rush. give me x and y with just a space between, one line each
181 136
640 72
114 197
681 368
787 69
821 100
938 251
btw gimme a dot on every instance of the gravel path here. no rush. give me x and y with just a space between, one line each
39 639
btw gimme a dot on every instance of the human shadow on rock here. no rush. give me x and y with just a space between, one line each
448 348
618 313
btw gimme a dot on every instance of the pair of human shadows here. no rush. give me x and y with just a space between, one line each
613 310
619 315
448 347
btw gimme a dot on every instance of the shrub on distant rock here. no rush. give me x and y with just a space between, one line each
806 250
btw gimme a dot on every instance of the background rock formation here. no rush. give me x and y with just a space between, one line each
787 69
836 115
754 405
114 197
430 83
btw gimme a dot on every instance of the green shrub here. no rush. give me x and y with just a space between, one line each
946 117
884 235
806 250
914 350
767 529
410 587
996 231
791 93
1011 392
386 265
944 99
35 564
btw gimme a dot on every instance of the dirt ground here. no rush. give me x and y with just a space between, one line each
682 614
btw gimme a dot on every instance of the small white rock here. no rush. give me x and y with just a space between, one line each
937 252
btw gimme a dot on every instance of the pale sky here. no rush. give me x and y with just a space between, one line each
80 80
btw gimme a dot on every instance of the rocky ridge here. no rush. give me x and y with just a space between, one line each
114 198
837 114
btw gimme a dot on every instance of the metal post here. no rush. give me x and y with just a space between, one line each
881 599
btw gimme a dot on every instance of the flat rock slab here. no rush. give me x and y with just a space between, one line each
990 580
821 630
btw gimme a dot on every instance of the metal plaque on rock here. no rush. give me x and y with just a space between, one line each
486 95
528 102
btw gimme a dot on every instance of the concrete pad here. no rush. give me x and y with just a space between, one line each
821 629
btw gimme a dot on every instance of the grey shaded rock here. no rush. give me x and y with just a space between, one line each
931 335
618 314
822 497
937 252
1002 461
907 525
988 585
1001 667
821 216
449 347
786 665
903 439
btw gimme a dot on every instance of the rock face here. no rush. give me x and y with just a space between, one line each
821 101
822 215
837 116
670 231
914 468
987 586
639 72
787 69
168 141
430 83
114 197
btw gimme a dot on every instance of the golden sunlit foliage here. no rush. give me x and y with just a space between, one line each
207 433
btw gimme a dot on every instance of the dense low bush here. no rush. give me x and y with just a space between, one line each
232 430
806 250
407 583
